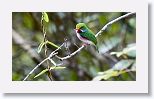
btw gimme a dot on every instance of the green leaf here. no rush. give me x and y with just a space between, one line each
123 64
41 73
43 43
108 74
45 17
105 75
57 67
40 47
48 42
45 70
118 69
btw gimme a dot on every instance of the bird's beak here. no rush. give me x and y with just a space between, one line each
76 30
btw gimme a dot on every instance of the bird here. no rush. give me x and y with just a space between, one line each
86 35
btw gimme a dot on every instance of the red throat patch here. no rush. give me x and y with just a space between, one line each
78 31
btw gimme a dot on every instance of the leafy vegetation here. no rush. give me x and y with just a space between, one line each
116 60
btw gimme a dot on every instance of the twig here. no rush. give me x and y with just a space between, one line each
72 54
113 21
79 49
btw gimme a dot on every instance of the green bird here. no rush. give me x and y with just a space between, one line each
86 35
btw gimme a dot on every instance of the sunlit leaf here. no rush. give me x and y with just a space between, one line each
57 67
45 70
108 74
40 47
43 43
98 78
130 51
48 42
41 73
118 54
45 17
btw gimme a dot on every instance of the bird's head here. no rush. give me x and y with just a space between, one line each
80 28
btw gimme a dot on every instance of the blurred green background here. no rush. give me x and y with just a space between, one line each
84 66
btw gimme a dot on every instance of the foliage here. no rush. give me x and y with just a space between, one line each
115 61
123 66
43 43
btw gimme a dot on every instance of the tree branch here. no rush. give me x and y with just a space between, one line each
113 21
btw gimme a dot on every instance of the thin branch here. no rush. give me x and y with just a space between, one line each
72 54
113 21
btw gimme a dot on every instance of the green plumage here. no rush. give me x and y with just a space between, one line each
89 36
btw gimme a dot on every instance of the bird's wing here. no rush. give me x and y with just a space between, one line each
89 36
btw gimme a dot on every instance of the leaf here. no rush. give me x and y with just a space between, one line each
108 74
41 73
118 54
57 68
130 51
98 78
40 47
43 43
48 42
118 69
45 70
45 17
123 64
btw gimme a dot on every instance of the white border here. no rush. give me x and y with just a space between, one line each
138 86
